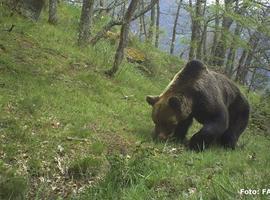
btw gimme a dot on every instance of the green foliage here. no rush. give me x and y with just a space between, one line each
260 117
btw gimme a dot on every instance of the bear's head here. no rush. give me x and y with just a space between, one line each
167 112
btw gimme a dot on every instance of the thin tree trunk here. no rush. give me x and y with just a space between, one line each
113 12
142 18
175 26
203 45
157 25
252 79
101 5
232 52
216 33
201 51
144 25
141 33
195 28
248 61
241 64
152 24
199 38
246 58
123 9
123 38
220 50
53 12
85 22
193 34
244 64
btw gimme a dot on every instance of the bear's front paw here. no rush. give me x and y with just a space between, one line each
197 143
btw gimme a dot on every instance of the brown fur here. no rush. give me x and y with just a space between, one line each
210 98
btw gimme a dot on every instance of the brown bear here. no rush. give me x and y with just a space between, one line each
210 98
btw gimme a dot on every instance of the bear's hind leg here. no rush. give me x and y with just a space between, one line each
238 120
207 135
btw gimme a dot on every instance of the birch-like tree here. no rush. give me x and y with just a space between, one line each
53 12
175 26
195 14
85 22
157 25
119 55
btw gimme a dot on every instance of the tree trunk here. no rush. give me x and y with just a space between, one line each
142 21
175 26
193 33
141 33
53 12
101 5
232 52
85 22
241 65
220 50
250 52
195 28
124 9
252 79
248 61
216 33
199 38
203 45
28 8
152 24
157 25
123 38
113 12
246 58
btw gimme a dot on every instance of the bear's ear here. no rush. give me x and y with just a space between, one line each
151 100
174 103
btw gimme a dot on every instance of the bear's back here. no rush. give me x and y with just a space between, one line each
215 85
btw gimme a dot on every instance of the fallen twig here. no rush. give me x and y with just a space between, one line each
77 139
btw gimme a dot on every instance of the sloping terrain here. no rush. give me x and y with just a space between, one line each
68 131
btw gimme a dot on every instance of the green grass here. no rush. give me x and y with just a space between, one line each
68 131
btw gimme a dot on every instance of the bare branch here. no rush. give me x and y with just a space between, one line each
111 6
114 22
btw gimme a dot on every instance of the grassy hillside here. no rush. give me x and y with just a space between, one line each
68 131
